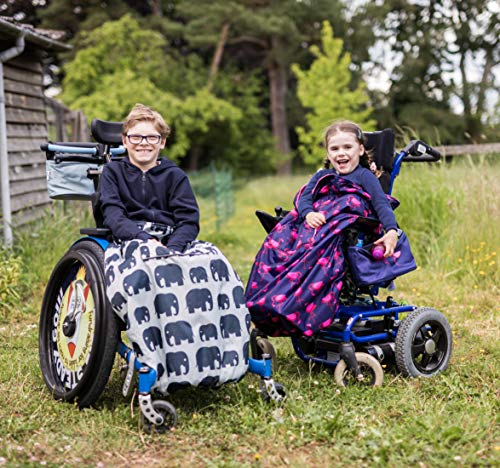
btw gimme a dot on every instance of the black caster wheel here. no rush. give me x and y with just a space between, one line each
78 331
169 414
371 371
423 343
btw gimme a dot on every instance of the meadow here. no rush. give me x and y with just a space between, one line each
451 215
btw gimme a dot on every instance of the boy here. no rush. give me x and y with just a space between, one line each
144 196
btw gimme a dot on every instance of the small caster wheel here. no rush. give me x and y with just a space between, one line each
372 374
265 347
275 392
169 414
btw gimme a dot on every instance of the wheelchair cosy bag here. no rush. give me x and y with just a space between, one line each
366 270
184 313
68 180
298 273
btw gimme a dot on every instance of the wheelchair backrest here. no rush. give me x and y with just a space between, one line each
381 143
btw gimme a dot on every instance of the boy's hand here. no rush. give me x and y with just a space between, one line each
315 219
389 240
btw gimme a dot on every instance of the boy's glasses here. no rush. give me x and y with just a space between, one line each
137 139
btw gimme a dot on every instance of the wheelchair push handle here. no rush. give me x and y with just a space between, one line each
419 151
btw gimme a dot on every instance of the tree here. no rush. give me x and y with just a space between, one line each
325 91
123 63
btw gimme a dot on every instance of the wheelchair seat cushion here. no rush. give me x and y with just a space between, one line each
184 313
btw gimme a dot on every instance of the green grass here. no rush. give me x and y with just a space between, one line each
451 216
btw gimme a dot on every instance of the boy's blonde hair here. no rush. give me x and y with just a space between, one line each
142 113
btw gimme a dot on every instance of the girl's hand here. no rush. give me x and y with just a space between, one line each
315 219
389 239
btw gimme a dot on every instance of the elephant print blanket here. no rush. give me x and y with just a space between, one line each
298 273
184 314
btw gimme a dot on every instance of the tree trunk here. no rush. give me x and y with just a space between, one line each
277 94
194 157
219 50
155 7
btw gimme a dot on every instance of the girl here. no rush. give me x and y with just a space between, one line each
346 152
297 276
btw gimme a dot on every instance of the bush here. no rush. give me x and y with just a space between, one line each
10 282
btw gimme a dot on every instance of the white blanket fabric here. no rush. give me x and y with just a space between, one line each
185 314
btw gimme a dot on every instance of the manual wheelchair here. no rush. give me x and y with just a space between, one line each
368 333
79 333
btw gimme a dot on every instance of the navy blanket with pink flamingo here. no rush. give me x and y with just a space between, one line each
297 275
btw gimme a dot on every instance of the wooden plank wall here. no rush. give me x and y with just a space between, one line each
26 130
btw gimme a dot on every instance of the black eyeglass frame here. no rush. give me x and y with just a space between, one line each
157 139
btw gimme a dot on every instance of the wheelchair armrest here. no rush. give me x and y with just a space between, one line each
267 220
96 232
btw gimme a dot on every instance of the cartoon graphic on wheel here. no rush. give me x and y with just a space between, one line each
75 326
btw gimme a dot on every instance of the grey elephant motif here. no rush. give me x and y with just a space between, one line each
176 363
208 357
219 270
110 275
129 251
166 304
239 297
178 332
137 349
112 258
223 301
230 359
152 338
136 281
229 325
118 300
199 299
166 275
141 314
144 250
207 332
128 264
198 274
210 381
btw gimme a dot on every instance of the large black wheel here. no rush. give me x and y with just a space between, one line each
423 343
78 333
371 370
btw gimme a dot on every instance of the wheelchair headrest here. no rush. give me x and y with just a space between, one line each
108 133
382 144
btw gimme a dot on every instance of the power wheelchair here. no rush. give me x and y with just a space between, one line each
79 334
368 333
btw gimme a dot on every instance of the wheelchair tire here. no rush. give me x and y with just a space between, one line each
167 410
78 331
264 346
423 343
370 368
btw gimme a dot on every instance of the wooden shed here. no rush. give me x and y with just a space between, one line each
23 122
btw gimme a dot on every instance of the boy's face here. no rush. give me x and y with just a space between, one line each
143 152
344 151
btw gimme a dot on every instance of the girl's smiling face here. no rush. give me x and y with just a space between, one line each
343 151
143 155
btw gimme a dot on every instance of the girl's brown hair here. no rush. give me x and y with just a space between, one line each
366 159
142 113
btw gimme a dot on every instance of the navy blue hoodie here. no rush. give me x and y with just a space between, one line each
162 194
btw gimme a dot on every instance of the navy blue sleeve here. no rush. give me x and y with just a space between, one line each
379 200
182 203
113 209
305 204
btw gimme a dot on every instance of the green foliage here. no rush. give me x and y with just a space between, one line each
325 91
10 282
